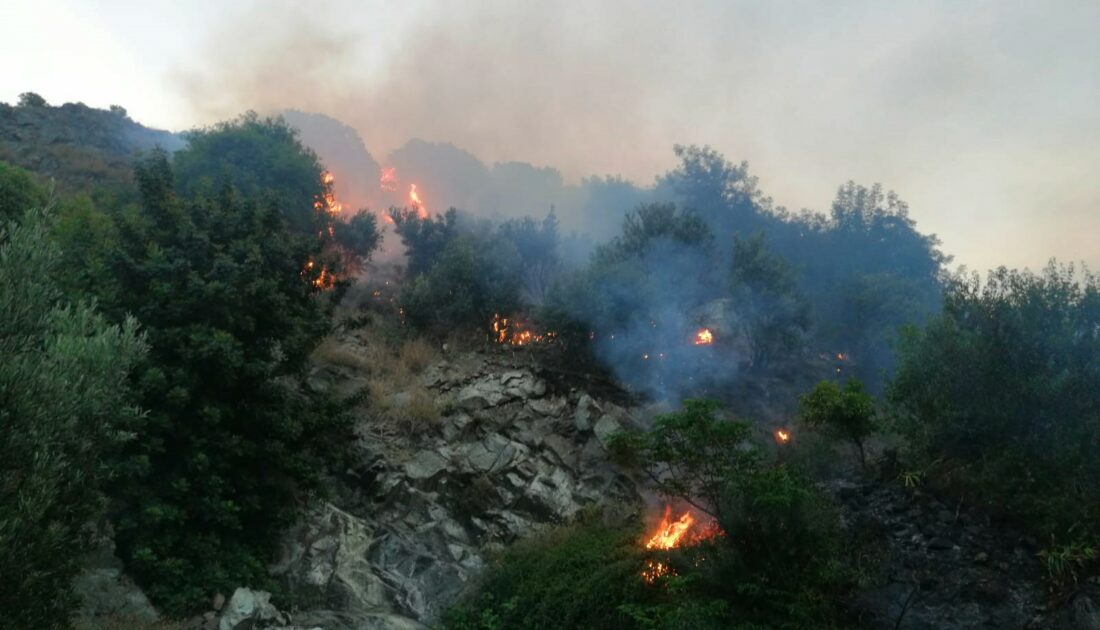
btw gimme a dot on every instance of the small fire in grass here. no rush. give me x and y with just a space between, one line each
672 533
782 436
704 337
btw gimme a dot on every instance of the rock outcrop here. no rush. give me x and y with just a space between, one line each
512 454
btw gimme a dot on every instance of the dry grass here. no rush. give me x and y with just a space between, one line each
415 355
410 408
333 352
388 362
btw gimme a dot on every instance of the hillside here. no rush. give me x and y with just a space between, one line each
77 146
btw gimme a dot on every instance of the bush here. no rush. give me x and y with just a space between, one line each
777 562
18 192
582 576
222 287
66 407
1003 390
847 413
473 279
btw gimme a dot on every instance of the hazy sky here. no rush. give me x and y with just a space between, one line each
984 116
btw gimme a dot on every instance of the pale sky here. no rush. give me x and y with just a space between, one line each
984 116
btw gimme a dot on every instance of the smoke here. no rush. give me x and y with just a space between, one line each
947 104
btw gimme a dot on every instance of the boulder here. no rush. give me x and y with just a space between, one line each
586 410
607 426
248 610
425 465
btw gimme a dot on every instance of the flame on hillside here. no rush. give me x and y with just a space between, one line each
389 182
672 533
704 337
513 332
782 436
415 202
323 280
327 201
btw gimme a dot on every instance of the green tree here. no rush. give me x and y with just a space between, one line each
357 238
222 288
262 159
18 191
775 317
1005 384
473 279
424 238
692 454
31 99
848 413
65 405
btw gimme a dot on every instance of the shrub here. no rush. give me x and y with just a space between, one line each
581 576
1003 387
220 285
66 407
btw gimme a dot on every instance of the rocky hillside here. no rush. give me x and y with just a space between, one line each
514 447
76 145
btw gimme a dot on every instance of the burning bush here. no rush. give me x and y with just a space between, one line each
757 537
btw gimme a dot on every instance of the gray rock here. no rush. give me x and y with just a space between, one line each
249 609
425 465
1086 613
605 428
586 410
548 407
103 589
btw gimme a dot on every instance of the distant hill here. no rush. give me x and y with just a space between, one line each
79 147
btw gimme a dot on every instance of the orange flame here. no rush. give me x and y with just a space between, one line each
327 201
414 201
516 333
704 337
324 279
671 534
782 436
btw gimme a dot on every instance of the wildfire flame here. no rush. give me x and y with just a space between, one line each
670 534
782 436
328 202
324 279
704 337
414 201
509 331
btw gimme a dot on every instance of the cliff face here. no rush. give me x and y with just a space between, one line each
513 453
76 145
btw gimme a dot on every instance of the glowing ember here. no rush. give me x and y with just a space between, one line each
324 279
704 337
782 436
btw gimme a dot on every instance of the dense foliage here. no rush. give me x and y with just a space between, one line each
775 565
224 295
1003 390
64 406
461 272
